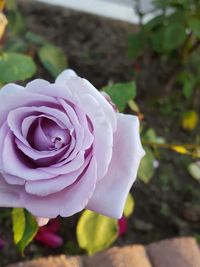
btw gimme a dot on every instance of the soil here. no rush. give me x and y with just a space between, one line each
97 49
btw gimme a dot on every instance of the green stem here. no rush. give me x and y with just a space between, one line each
170 146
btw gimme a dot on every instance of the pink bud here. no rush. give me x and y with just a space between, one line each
47 238
137 67
123 227
54 225
2 243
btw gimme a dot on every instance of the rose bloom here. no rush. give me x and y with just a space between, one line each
65 148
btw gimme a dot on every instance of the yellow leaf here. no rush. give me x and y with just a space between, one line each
2 4
129 206
180 149
190 120
3 23
133 106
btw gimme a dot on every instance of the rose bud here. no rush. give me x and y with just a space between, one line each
54 225
2 244
137 67
48 238
64 149
122 224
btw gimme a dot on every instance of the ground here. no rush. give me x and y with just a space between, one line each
97 49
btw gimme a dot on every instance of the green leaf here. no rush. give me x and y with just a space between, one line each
174 36
154 23
129 206
133 106
168 37
188 81
25 228
150 136
15 44
157 40
15 67
16 22
96 232
187 89
35 38
11 5
121 93
135 44
194 25
194 170
146 169
53 59
18 219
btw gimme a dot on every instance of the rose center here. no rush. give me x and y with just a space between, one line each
46 134
57 143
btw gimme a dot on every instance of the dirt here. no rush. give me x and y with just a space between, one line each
97 49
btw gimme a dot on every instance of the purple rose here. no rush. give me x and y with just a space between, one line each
64 148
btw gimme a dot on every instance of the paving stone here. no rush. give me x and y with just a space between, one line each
129 256
177 252
59 261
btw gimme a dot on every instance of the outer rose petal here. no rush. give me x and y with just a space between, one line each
111 192
66 74
15 96
9 194
81 87
66 202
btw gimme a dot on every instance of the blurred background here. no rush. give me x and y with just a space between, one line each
146 56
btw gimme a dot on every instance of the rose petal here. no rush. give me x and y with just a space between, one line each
66 202
79 130
53 90
81 87
9 194
25 127
71 166
16 117
15 164
102 132
88 136
15 96
54 185
65 75
3 132
111 192
11 179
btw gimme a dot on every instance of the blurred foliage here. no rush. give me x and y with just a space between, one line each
53 59
9 70
17 44
129 206
194 170
146 170
96 232
121 93
190 120
173 33
25 228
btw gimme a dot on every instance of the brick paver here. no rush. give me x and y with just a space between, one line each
177 252
129 256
